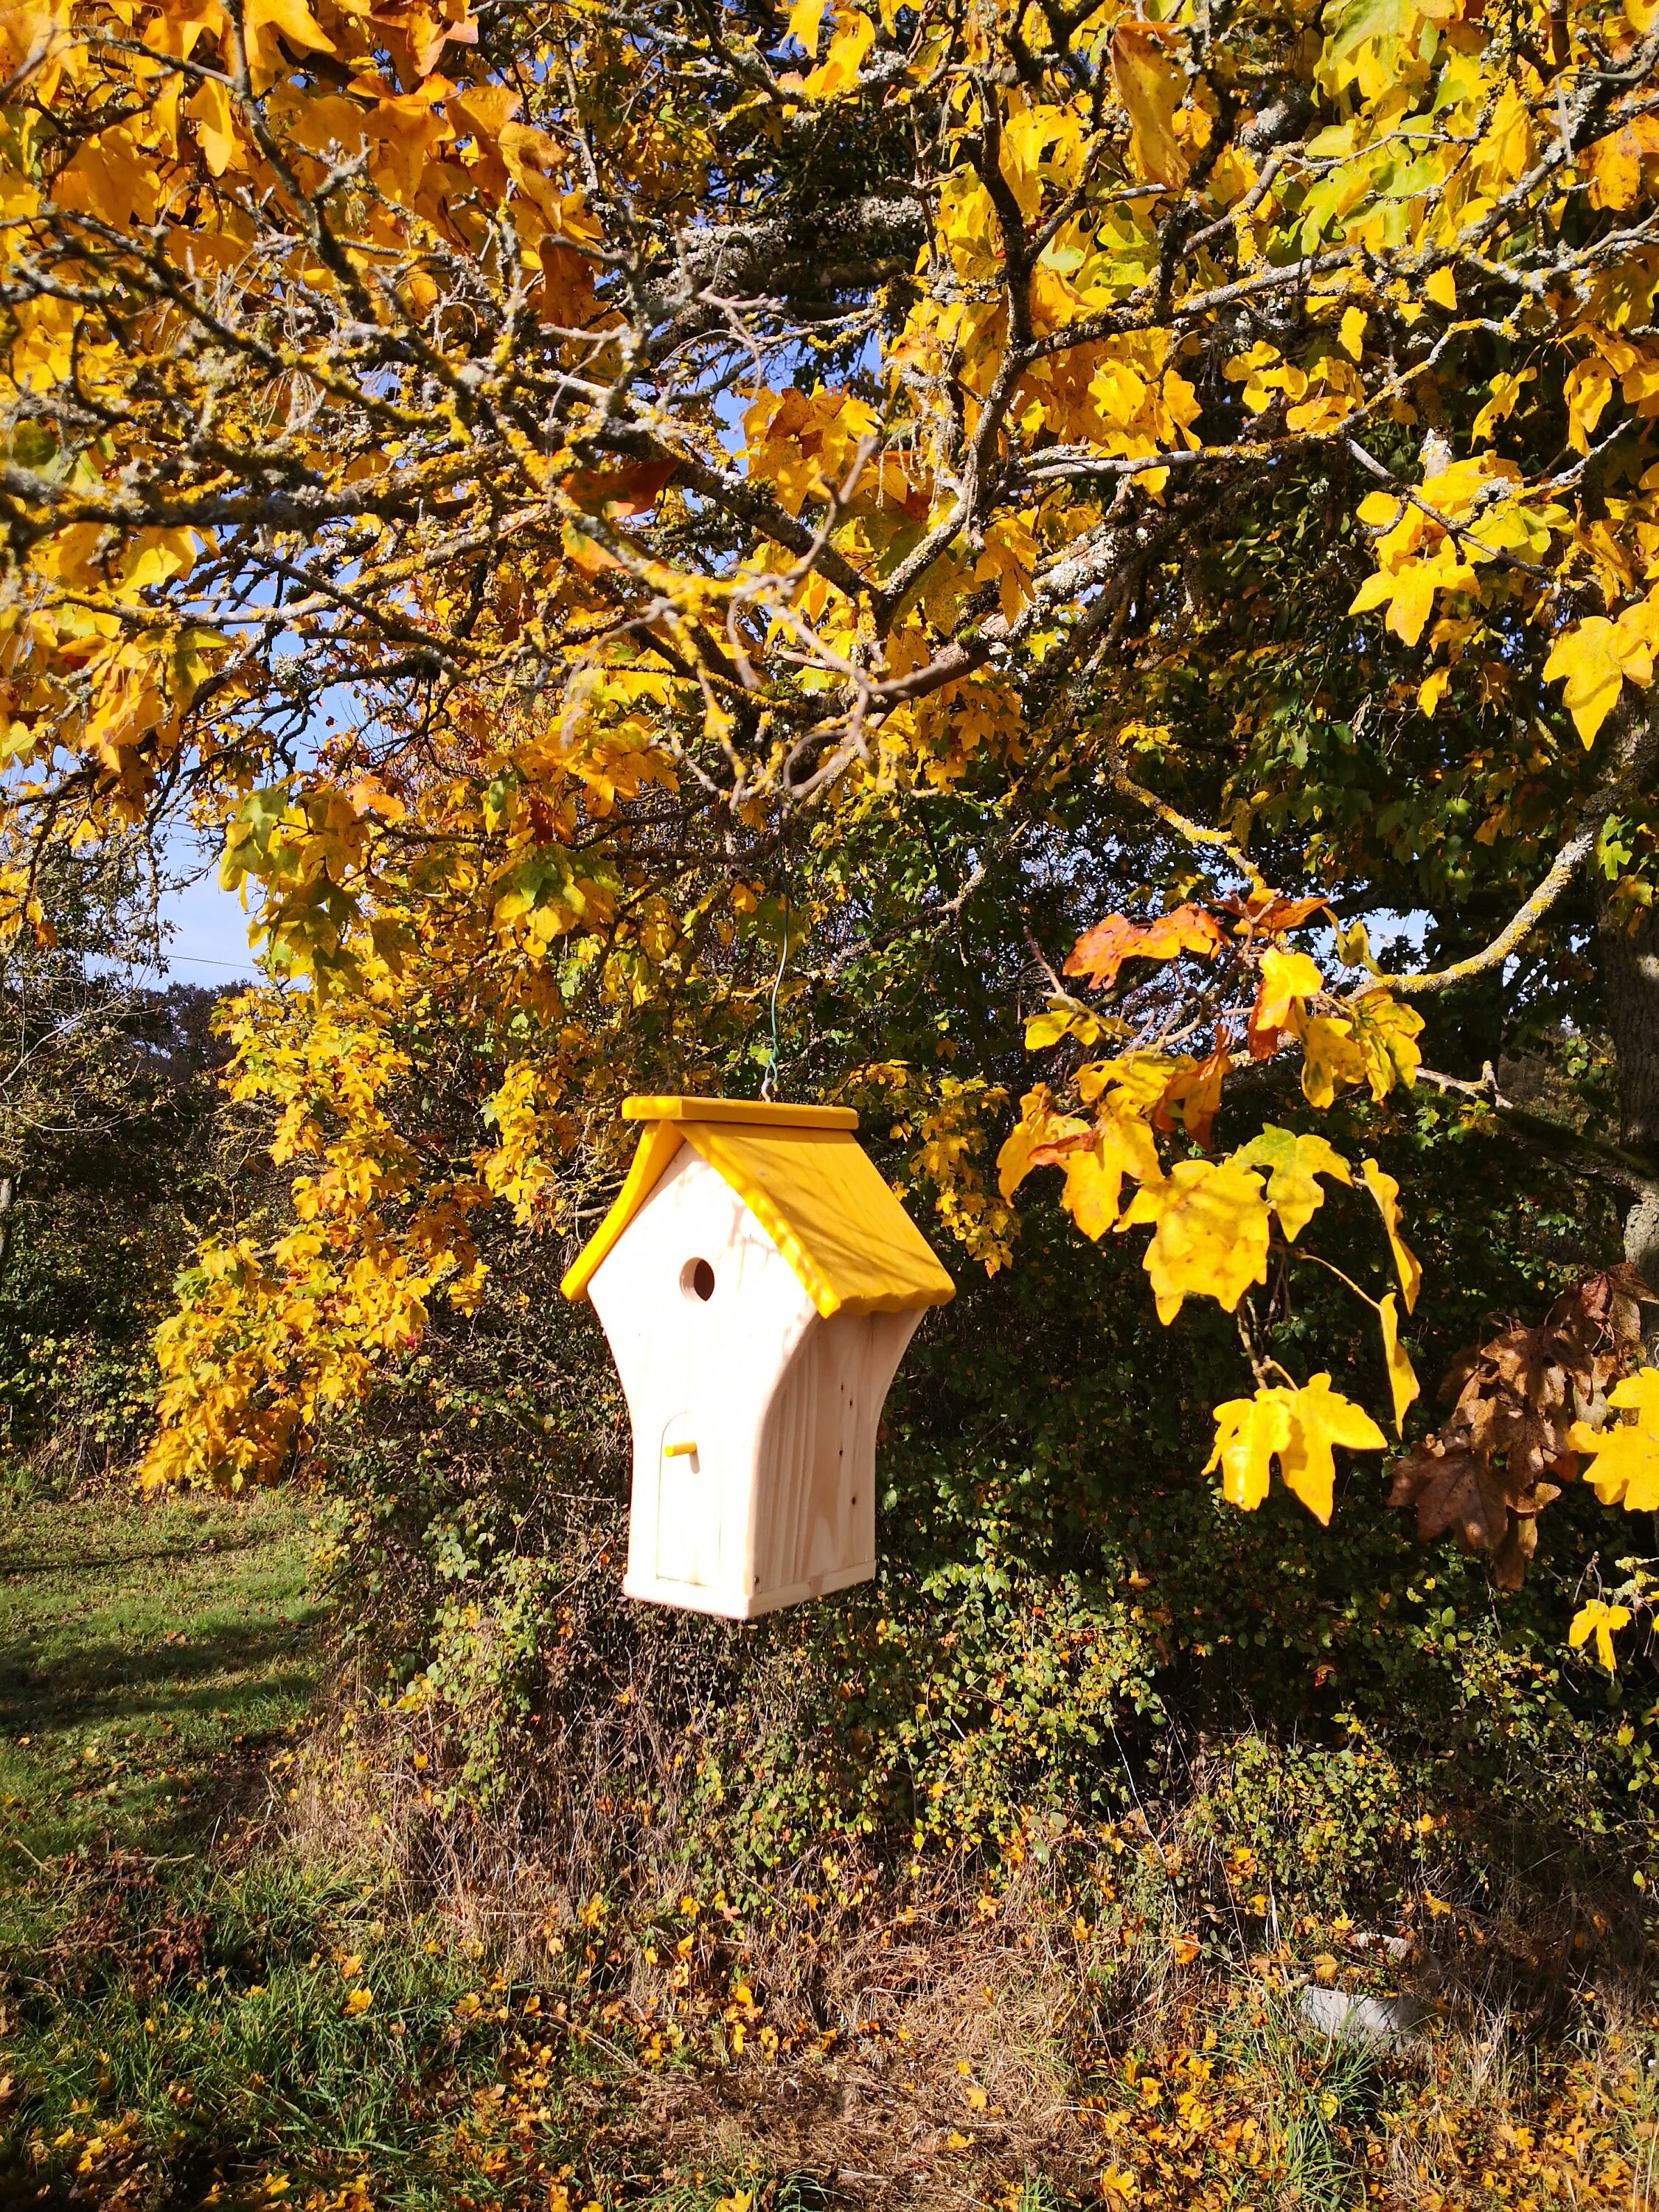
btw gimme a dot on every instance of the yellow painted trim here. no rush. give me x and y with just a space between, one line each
755 1111
658 1146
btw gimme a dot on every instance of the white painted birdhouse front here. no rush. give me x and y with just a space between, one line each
758 1283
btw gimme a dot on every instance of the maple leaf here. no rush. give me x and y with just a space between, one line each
631 490
1210 1233
838 71
1121 1144
1287 978
1248 1434
1101 951
805 17
1196 1089
1330 1057
1597 659
1294 1164
1038 1126
1386 1191
1300 1427
1626 1469
1320 1418
1385 1035
1267 914
1602 1621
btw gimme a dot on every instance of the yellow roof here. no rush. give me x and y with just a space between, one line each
809 1183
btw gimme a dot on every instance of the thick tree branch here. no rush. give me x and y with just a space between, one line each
1637 742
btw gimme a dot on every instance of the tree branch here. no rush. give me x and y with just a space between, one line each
1555 1139
1637 742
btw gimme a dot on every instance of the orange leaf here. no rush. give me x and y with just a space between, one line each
630 490
1101 951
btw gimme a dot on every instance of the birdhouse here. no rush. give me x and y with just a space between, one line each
758 1283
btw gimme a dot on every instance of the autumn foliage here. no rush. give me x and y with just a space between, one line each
624 526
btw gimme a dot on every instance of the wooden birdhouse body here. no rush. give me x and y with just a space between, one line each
754 1409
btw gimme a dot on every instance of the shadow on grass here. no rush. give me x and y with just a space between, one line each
111 1682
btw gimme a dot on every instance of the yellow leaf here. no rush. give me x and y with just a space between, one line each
1402 1376
805 18
1320 1418
1442 289
1626 1469
1329 1057
1385 1035
1505 389
1352 335
1038 1124
1596 659
1353 947
1299 1427
838 72
1386 1191
265 22
209 109
1433 688
1249 1432
1286 976
1293 1163
1094 1177
1152 89
1210 1234
359 2001
1600 1620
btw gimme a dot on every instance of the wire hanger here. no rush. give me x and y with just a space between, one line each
768 1081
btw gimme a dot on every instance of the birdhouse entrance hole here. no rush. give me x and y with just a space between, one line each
697 1279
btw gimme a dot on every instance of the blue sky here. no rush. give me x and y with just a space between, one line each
207 943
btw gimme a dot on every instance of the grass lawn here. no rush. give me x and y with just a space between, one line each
195 2012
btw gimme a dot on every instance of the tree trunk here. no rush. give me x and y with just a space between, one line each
1630 973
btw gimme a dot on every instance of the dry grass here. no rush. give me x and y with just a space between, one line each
936 2041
